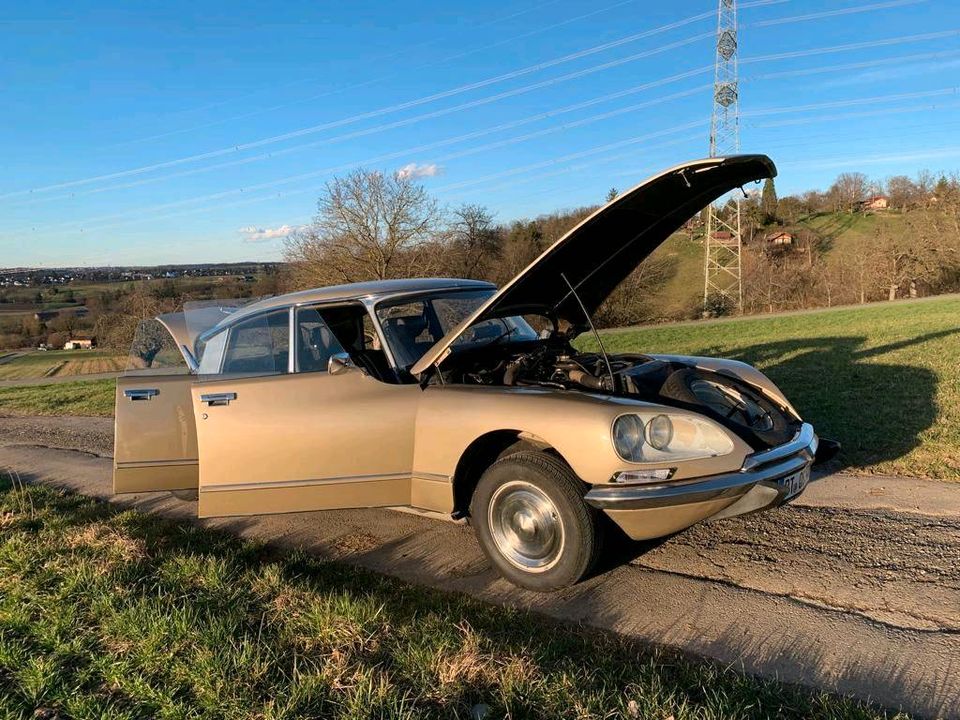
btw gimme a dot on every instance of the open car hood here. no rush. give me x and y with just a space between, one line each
600 252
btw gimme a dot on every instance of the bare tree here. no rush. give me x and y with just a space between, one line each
848 190
369 225
902 192
130 325
474 241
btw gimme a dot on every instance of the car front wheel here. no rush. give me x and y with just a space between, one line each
531 520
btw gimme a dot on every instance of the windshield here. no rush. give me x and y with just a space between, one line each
413 326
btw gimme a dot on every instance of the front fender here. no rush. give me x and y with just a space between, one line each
577 425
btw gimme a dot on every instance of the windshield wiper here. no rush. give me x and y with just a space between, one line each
505 334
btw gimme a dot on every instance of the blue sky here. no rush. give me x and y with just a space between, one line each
201 131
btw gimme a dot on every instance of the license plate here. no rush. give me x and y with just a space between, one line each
794 484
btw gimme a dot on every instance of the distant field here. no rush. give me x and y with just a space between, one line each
61 362
884 379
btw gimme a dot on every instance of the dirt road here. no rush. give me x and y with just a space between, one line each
855 588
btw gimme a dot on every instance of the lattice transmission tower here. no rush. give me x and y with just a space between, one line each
723 279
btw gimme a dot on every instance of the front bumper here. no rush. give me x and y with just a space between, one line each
754 487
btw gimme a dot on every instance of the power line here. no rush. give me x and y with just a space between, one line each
835 13
412 103
809 52
850 103
373 81
462 153
538 67
324 171
141 213
489 99
850 116
390 156
897 60
852 46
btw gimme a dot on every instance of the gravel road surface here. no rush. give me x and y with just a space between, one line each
855 588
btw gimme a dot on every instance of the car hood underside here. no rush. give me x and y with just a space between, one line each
599 253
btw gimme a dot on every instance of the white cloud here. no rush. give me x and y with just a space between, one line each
261 234
414 171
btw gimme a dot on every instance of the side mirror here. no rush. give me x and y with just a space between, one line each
340 363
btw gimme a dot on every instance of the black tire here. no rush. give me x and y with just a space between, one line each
536 475
680 385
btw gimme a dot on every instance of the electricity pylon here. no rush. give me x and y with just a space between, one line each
723 279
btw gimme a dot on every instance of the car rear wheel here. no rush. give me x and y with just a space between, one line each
532 523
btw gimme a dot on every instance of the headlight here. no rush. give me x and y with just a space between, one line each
628 437
665 438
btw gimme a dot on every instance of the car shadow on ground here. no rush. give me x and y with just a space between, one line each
876 410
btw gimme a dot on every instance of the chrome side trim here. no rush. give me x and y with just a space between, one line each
432 477
292 341
154 463
268 484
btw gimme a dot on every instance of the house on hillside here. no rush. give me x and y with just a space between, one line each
80 343
723 236
877 202
780 237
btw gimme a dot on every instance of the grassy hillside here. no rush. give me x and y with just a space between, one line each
882 378
680 296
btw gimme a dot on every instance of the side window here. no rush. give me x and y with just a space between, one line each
259 345
315 342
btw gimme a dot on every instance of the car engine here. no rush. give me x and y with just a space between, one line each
554 363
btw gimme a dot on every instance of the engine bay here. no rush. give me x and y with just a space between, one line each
554 363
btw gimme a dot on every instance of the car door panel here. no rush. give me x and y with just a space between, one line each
155 438
303 441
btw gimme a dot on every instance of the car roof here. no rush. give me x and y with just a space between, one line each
375 290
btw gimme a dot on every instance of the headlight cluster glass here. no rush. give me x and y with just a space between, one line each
664 438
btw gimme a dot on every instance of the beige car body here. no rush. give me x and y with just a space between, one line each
301 441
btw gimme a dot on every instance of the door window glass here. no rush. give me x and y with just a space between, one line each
154 352
259 345
210 353
316 344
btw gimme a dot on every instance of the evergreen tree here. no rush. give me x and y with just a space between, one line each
768 201
612 194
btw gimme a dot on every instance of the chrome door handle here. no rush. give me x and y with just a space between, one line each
141 393
223 398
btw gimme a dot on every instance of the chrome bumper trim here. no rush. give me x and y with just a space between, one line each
804 441
767 466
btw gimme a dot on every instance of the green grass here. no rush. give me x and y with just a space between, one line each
109 614
884 379
91 397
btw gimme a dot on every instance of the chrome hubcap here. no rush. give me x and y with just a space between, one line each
525 526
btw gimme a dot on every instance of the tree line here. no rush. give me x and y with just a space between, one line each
376 225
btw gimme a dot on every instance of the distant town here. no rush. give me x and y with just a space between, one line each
31 277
